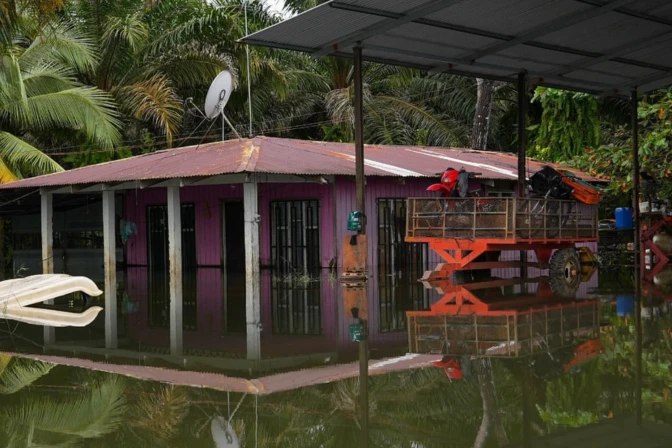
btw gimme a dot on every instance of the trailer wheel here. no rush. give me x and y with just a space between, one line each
565 272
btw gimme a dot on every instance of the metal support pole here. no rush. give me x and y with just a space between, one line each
47 228
359 179
359 132
522 146
638 257
175 269
223 127
110 263
252 276
522 114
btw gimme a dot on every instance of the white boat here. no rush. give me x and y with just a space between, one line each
18 294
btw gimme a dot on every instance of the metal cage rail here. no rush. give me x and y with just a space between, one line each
505 219
510 334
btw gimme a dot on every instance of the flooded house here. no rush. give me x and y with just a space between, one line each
207 248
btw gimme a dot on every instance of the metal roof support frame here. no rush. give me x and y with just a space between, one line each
384 26
522 156
522 141
361 203
359 132
548 28
638 257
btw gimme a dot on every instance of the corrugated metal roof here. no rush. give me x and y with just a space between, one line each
285 156
561 43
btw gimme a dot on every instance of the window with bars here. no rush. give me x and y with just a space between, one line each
297 307
295 236
400 265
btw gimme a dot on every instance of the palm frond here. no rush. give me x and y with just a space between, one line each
84 109
4 362
43 79
130 30
21 373
192 68
162 413
6 174
22 159
13 98
64 44
154 100
98 412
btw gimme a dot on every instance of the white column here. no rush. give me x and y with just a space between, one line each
110 249
252 279
175 268
47 228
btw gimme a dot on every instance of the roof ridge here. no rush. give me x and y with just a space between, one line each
249 156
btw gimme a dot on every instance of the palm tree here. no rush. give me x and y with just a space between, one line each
151 54
42 104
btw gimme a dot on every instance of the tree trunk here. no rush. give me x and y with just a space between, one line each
485 93
491 418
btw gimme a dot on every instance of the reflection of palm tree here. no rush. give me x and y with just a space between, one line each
421 406
32 418
160 414
16 374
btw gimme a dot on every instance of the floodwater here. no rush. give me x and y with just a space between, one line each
525 367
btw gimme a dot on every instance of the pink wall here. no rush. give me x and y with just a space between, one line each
208 213
376 188
208 200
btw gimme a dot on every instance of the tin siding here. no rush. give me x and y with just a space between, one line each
376 187
282 192
208 200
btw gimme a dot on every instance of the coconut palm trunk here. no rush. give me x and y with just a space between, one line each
492 420
481 127
483 367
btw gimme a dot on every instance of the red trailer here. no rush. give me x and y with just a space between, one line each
469 233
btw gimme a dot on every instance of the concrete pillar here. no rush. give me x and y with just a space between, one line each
109 255
175 268
47 228
252 278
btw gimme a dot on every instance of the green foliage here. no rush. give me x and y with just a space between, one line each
569 124
41 101
614 160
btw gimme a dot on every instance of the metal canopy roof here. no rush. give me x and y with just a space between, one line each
598 46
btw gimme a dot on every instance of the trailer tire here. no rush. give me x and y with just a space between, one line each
565 272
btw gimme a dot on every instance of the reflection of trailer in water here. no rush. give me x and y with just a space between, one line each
474 320
469 234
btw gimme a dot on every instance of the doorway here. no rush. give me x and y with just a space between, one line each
233 260
157 241
233 236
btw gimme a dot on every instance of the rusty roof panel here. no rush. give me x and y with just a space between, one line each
285 156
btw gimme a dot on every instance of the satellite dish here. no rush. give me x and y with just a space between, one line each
223 433
218 94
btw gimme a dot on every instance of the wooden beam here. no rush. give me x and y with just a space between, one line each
47 229
110 262
175 269
221 179
252 277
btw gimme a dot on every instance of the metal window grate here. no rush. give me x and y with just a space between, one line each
297 306
159 300
295 236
